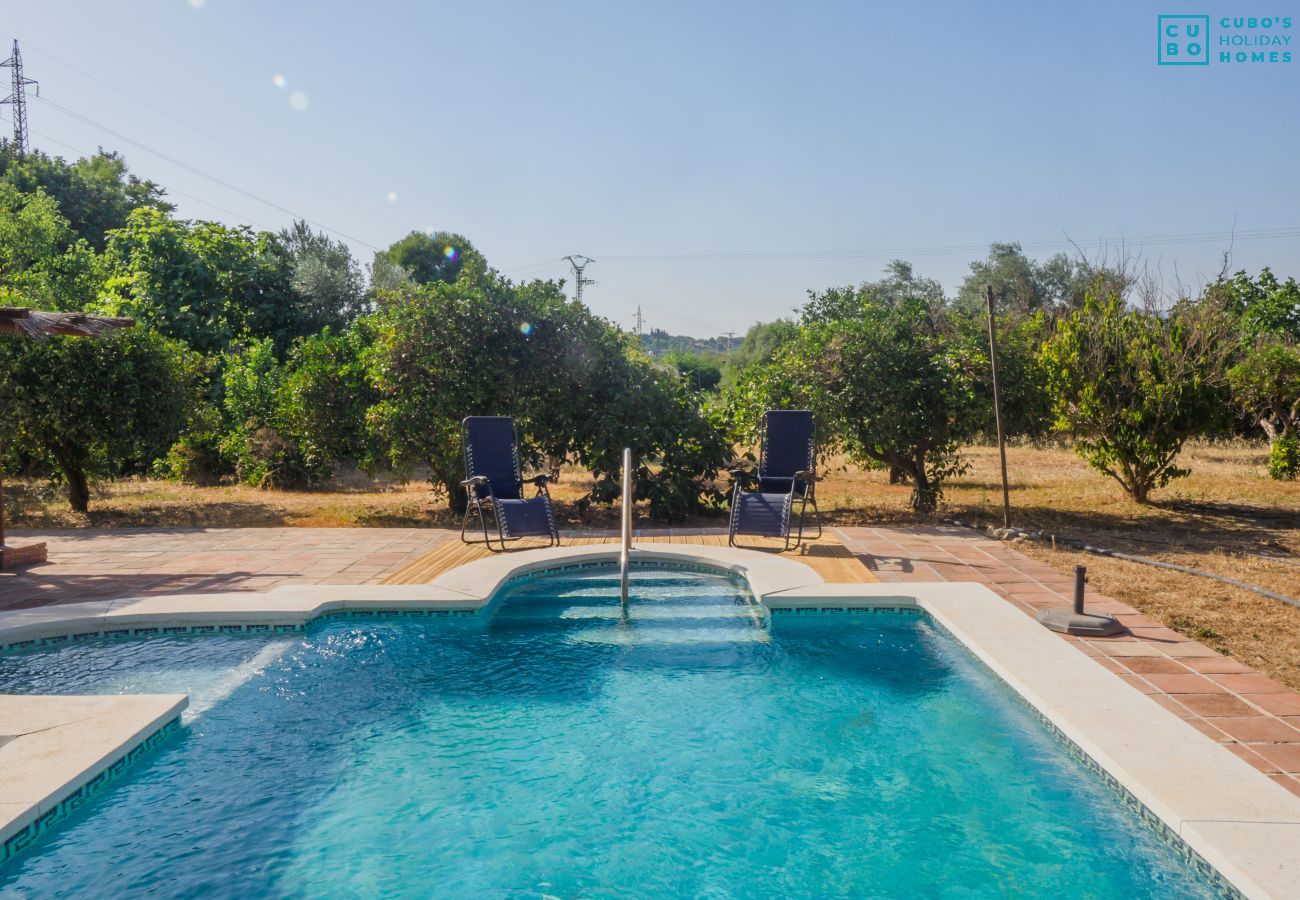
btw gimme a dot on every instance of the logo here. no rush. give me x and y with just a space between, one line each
1184 40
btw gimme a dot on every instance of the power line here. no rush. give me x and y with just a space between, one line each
216 138
18 97
45 138
189 168
812 255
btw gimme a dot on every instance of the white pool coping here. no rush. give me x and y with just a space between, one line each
1234 817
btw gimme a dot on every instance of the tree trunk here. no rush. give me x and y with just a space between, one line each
922 499
457 498
78 489
1141 491
74 475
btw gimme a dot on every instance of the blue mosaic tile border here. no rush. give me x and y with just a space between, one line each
28 835
340 614
149 631
612 566
1169 836
802 611
265 629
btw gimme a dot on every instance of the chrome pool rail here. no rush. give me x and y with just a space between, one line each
625 552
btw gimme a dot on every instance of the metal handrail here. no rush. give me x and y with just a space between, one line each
625 555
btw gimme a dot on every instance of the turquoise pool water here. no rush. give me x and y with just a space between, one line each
555 750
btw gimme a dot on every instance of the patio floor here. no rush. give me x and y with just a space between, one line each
1252 715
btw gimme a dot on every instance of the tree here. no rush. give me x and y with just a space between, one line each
902 283
1132 386
325 395
330 289
1023 287
1266 388
95 194
202 282
96 407
485 346
1264 305
699 373
1017 282
427 258
42 264
260 437
894 385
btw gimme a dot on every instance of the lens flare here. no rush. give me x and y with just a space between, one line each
525 328
450 252
392 196
279 81
298 100
197 4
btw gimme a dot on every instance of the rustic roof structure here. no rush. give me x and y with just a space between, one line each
40 324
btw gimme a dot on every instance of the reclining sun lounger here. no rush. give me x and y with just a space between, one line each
763 502
495 486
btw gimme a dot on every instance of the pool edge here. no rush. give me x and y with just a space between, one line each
65 749
1221 809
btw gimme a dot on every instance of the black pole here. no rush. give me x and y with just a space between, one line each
1080 577
997 409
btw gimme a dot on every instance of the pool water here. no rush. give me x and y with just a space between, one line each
554 749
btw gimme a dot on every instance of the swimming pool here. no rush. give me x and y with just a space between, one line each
551 747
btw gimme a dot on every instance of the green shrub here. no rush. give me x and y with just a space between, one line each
257 439
1284 459
197 458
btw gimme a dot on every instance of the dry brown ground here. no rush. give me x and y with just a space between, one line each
1227 517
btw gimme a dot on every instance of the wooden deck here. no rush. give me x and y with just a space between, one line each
827 556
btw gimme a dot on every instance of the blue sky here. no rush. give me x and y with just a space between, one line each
714 158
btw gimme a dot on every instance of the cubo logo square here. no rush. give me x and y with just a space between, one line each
1183 40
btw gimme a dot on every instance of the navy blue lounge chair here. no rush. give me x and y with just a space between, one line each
495 486
763 502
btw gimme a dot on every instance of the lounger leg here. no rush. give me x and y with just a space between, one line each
487 534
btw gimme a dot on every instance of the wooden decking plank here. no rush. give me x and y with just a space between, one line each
826 556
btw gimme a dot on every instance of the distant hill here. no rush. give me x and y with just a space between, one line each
659 343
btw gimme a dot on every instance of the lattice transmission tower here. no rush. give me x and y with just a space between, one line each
18 97
580 281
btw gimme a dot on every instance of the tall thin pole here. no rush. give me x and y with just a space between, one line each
997 408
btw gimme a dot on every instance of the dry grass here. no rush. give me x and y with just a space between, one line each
1227 517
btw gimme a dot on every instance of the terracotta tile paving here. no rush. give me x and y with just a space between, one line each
1252 715
96 565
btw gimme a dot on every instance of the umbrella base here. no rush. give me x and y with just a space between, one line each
1067 621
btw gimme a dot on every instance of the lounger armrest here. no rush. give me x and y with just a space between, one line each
743 476
805 476
476 480
539 480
